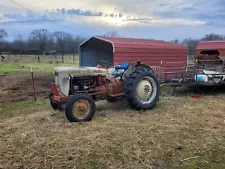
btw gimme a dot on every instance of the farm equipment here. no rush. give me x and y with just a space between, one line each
76 89
207 70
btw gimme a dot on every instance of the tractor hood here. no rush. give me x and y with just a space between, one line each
80 71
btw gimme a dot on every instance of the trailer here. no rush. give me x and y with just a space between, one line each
208 67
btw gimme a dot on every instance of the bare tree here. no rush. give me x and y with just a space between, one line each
3 34
62 39
40 36
177 41
19 39
111 34
191 45
212 36
74 44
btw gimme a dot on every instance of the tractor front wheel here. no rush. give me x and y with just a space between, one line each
142 89
80 108
56 106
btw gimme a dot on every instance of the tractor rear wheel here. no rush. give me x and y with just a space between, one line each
142 89
80 108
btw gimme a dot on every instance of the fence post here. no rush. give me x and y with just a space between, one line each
32 76
161 69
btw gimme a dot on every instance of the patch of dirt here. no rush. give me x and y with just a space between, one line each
18 87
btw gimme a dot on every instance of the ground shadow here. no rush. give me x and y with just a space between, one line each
197 90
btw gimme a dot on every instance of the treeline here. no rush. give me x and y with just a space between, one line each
41 41
192 43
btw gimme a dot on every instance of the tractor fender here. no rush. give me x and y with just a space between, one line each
134 67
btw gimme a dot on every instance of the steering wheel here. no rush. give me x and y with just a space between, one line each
105 64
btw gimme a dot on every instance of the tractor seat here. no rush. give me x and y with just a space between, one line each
124 65
117 73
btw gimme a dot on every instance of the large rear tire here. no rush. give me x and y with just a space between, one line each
80 108
142 89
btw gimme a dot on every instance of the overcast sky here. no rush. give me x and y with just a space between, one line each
158 19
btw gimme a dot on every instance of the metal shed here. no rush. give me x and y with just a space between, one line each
210 48
170 56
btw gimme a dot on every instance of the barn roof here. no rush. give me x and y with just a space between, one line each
137 43
213 45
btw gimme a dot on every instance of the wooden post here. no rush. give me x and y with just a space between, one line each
34 90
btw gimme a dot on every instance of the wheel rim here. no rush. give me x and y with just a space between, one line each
146 90
81 109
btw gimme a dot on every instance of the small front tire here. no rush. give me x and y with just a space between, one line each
56 106
80 108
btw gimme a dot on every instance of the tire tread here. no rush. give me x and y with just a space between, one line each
130 81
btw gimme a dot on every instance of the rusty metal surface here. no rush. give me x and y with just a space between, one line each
116 88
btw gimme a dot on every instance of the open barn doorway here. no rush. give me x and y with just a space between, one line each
210 52
94 50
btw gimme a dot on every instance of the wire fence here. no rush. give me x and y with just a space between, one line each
50 59
159 68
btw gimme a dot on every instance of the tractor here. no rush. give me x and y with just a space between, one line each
76 89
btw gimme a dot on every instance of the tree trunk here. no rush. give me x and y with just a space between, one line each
73 57
55 58
62 57
16 56
38 58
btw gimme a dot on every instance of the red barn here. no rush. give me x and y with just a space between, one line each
172 57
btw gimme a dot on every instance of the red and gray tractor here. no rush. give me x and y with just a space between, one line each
76 89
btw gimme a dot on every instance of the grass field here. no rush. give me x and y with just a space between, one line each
16 64
180 132
22 108
24 67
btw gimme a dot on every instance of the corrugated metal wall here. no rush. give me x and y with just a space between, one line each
171 57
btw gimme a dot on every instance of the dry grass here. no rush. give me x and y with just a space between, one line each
179 133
